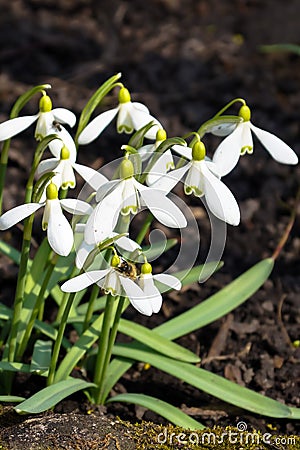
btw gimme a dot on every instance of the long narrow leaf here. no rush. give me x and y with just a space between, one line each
51 395
160 407
14 367
211 383
10 251
157 342
41 356
11 398
219 304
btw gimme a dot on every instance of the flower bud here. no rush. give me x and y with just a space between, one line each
126 169
124 96
161 135
45 104
198 151
146 269
245 113
51 191
65 153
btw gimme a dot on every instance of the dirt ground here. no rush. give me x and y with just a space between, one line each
185 60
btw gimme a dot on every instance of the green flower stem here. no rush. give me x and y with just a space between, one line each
37 307
59 338
64 301
90 309
3 167
235 100
100 398
144 229
19 297
103 345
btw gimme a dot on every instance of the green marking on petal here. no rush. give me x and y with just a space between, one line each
124 96
45 104
246 149
68 184
193 190
129 209
245 113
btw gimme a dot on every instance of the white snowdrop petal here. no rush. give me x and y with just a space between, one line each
183 150
82 253
140 106
219 199
59 231
66 140
278 149
151 292
48 165
136 296
167 182
163 209
75 206
92 177
194 181
146 151
126 244
141 118
83 281
106 189
124 120
160 167
17 214
12 127
64 115
228 152
168 280
96 126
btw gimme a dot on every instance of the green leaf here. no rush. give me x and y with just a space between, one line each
219 304
11 398
198 273
11 252
156 249
168 143
137 139
116 368
157 342
279 48
14 367
5 312
219 121
211 383
295 412
94 101
24 98
51 395
41 356
160 407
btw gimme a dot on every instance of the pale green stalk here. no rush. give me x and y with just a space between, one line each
90 309
100 397
103 345
59 338
3 167
37 307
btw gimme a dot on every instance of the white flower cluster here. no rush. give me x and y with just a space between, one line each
127 194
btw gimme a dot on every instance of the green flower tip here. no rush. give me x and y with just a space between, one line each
245 113
146 268
198 151
126 169
115 261
65 153
51 191
45 104
161 135
124 96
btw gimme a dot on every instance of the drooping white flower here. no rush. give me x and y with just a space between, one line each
59 231
125 196
202 179
240 142
130 116
64 168
48 121
113 280
147 281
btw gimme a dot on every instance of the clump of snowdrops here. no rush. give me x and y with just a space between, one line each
93 268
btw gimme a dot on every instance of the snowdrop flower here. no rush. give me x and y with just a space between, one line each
64 168
59 231
240 142
125 196
46 118
202 179
146 281
146 151
118 279
131 116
